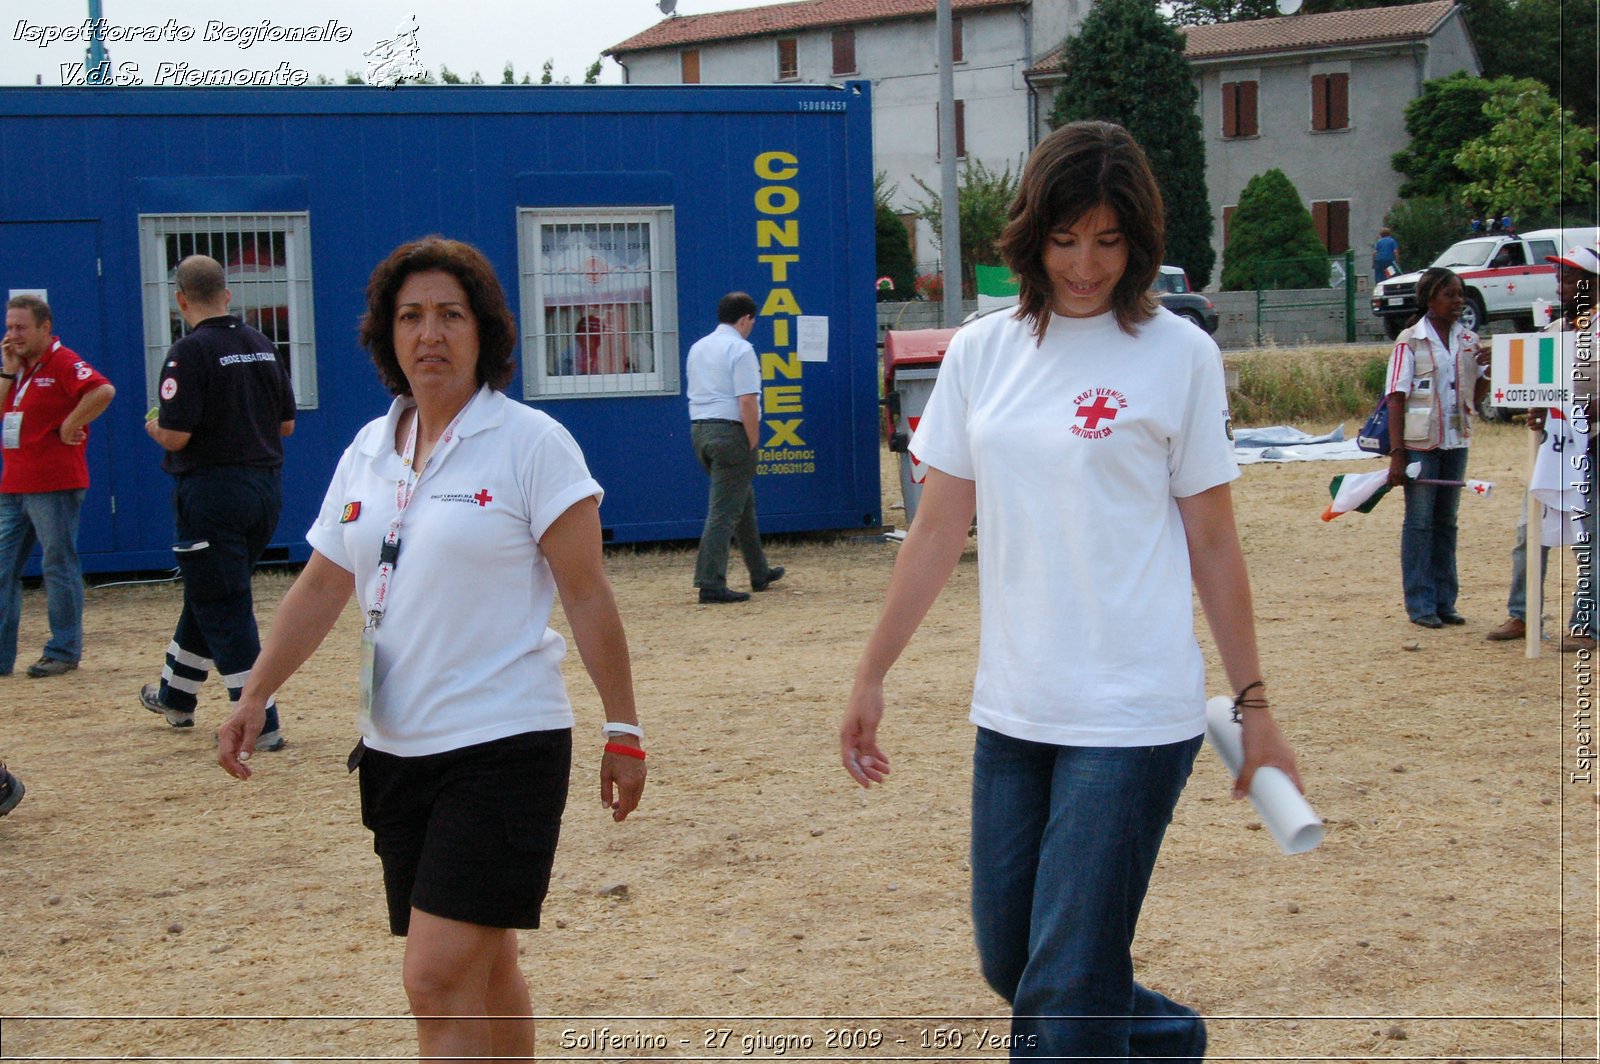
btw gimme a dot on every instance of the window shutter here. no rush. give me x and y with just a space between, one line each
1319 101
844 51
1230 109
1319 217
1339 101
1247 109
961 129
690 61
1338 225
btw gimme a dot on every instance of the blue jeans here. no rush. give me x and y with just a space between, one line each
48 518
1428 537
1064 839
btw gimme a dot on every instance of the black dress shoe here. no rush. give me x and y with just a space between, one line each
1429 621
774 574
722 594
1451 617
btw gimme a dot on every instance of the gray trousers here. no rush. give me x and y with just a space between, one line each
727 457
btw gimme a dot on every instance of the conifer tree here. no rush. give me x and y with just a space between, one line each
1272 241
1126 65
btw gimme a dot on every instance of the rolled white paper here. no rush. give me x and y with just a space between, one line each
1289 818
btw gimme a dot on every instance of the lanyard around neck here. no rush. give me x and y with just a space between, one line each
405 488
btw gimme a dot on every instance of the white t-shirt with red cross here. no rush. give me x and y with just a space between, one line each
465 653
1080 447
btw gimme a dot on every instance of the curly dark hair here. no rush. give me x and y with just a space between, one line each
1081 166
497 329
1428 285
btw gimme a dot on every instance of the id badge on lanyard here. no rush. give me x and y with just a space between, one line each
389 554
11 435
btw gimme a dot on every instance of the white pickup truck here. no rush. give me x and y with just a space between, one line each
1503 276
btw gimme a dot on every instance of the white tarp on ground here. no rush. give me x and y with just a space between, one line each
1282 443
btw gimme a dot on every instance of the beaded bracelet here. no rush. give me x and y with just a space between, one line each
624 750
1240 701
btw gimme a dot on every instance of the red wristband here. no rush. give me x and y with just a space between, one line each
624 751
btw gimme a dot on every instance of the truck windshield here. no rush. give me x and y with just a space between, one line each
1466 253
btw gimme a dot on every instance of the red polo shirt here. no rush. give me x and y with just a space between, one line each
46 395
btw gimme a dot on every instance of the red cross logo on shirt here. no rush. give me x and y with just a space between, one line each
1100 410
483 498
1094 410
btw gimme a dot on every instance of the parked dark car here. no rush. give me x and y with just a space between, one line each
1172 288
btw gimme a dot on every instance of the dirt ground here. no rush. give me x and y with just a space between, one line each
761 905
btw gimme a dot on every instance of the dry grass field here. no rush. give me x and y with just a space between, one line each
760 905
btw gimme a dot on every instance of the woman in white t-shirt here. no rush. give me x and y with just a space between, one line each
1089 434
455 520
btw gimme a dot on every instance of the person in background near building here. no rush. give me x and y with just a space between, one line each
226 404
1385 255
1577 276
725 428
48 396
11 790
1089 433
1436 379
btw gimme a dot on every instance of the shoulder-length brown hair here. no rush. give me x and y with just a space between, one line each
1074 170
497 329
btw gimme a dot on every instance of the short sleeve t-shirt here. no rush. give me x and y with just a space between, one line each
225 384
465 653
46 396
1080 448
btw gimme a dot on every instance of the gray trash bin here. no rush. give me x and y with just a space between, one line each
911 360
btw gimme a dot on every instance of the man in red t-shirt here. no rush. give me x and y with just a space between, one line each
48 396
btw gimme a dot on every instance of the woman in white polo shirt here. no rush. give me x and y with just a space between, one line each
455 520
1089 433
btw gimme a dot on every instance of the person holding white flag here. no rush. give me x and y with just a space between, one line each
1576 274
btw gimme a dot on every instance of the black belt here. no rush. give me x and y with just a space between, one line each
715 421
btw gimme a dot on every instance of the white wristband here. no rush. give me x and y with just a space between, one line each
611 729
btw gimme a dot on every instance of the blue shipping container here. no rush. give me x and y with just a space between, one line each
614 216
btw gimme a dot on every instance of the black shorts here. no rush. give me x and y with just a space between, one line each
468 834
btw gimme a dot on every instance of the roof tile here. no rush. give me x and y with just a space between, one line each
683 30
1371 25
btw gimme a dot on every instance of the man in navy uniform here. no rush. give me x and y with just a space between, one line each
226 404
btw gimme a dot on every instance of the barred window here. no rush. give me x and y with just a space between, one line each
599 302
266 259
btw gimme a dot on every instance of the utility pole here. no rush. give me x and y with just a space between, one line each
96 55
950 221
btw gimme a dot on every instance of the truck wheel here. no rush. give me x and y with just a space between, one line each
1473 316
1489 412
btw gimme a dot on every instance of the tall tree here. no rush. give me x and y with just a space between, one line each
1534 159
981 201
1272 241
1447 115
1200 12
1126 65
